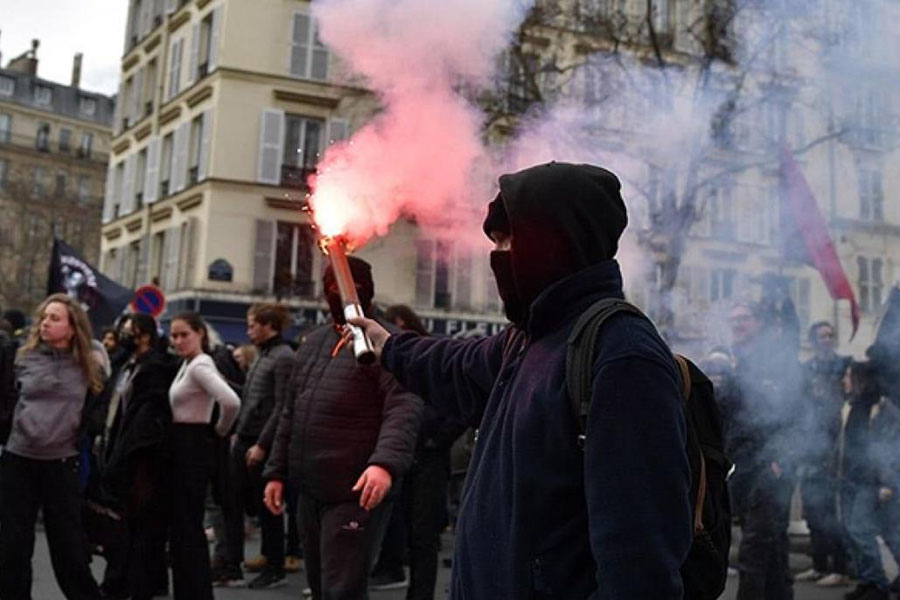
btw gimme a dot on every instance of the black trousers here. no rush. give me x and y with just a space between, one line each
418 525
340 542
825 531
192 464
764 547
247 488
53 487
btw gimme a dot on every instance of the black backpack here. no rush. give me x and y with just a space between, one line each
705 571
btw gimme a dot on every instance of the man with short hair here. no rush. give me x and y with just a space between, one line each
345 438
823 396
763 450
7 384
548 513
263 394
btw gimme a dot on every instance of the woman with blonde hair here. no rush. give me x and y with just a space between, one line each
55 370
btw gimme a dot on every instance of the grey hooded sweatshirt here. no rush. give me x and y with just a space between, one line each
52 389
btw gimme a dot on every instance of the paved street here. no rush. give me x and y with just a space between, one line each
45 587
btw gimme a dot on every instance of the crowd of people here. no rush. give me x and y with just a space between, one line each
145 447
828 428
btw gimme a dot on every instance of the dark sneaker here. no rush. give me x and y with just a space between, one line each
269 578
388 580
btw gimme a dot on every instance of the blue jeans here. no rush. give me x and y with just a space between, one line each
860 512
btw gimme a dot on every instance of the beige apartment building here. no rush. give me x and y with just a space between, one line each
54 147
226 107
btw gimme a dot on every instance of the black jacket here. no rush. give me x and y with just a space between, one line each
264 390
8 393
140 433
539 516
338 418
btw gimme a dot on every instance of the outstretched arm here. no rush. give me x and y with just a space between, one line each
454 376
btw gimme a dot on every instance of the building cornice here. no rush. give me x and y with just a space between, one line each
868 227
313 87
47 115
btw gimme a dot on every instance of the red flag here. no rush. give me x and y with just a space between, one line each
801 213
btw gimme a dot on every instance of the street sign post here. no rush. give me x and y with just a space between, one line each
149 299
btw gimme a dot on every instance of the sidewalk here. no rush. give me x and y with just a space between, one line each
45 587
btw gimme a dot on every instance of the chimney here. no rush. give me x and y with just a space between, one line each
76 70
26 62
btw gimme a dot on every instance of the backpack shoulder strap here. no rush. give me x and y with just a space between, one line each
700 498
580 354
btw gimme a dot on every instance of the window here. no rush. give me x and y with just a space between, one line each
294 260
43 137
205 42
87 106
5 127
720 210
139 173
87 141
149 87
7 86
165 166
131 264
84 189
64 136
118 178
157 256
870 283
194 149
3 169
871 195
302 146
37 181
175 68
433 273
721 284
309 56
43 95
61 180
127 100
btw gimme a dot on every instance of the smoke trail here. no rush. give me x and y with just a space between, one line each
420 155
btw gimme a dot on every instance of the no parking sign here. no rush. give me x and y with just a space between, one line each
149 299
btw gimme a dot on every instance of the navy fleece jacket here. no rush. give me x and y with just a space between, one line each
541 518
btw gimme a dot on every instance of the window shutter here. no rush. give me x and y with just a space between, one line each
151 180
137 95
172 248
262 256
195 53
215 32
109 194
140 276
146 17
338 130
175 68
319 62
117 111
425 273
205 137
189 250
126 202
300 44
179 160
271 146
171 6
119 264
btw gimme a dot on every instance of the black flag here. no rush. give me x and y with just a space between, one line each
102 298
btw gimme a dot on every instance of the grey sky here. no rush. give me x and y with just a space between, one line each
95 28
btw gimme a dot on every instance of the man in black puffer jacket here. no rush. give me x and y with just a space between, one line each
345 437
263 394
540 517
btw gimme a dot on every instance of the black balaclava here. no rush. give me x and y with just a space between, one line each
562 218
365 288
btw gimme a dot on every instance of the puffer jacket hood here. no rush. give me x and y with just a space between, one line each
563 218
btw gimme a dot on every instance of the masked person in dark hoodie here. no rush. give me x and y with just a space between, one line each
541 517
345 437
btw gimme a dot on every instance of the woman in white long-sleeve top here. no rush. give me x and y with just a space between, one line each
193 395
